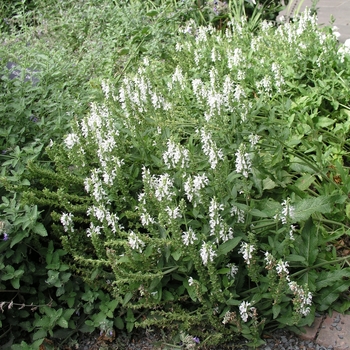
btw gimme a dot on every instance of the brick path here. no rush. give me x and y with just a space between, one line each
330 331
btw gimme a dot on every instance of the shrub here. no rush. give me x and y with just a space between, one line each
206 191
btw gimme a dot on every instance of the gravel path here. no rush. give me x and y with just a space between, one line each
278 340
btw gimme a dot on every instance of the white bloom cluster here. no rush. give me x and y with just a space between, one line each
102 214
282 269
188 237
94 185
67 222
210 149
228 317
135 242
344 50
178 77
239 214
243 161
270 260
246 310
207 253
192 187
173 213
233 270
162 185
190 281
235 58
287 212
175 154
93 230
247 251
71 140
303 298
216 222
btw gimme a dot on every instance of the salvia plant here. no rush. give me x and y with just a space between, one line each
205 191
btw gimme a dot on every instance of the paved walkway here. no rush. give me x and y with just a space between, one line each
339 9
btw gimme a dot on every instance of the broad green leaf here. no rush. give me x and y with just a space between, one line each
40 334
167 296
62 322
228 246
119 323
327 278
40 229
309 247
324 122
304 182
276 309
330 294
306 207
18 237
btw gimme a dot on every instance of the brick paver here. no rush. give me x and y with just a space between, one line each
335 331
311 332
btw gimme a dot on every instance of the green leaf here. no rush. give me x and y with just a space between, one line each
18 237
40 334
324 122
119 323
306 207
330 294
228 246
327 278
276 309
304 182
309 247
167 296
176 255
152 13
15 283
62 322
40 229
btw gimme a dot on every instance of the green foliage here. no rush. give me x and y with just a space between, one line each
202 193
204 190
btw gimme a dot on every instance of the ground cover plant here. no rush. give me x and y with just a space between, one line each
205 191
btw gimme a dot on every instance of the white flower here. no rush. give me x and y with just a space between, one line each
191 281
243 161
175 154
303 298
192 187
239 213
233 270
67 222
71 140
247 251
287 212
173 213
135 242
188 237
93 230
210 149
243 310
207 253
146 219
270 260
282 269
163 186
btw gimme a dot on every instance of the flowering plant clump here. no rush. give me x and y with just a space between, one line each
207 196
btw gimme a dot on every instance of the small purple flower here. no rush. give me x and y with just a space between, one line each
196 340
6 237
